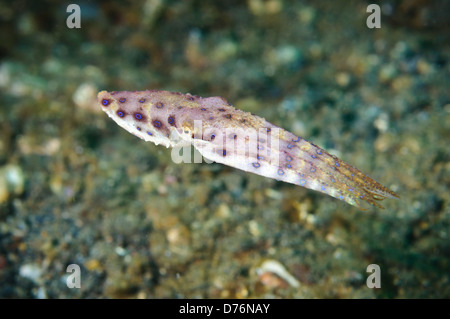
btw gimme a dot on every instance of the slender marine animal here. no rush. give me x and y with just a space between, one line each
232 137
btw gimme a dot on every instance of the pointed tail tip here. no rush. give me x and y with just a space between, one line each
378 194
374 195
387 193
394 195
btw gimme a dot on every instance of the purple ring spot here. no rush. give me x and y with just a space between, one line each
288 166
122 99
141 100
105 102
290 146
256 165
120 113
319 152
302 182
280 172
138 116
298 139
289 158
313 169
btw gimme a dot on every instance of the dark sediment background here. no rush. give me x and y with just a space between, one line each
75 188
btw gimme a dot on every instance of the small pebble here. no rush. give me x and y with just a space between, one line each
12 181
31 271
85 97
275 267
